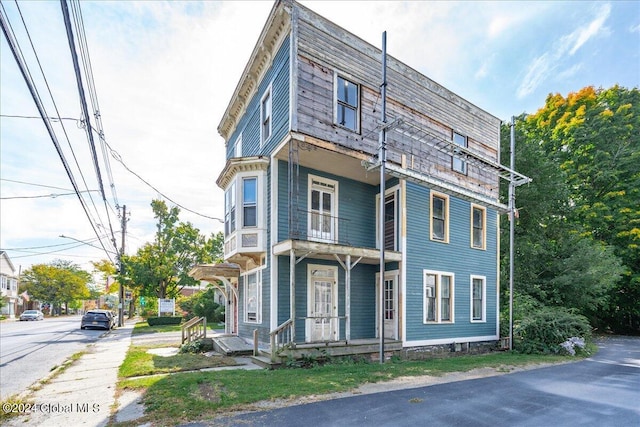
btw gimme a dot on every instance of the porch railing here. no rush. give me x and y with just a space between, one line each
194 329
281 338
313 225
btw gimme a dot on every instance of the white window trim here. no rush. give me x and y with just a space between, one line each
484 299
446 216
334 208
245 276
395 191
484 227
452 304
237 148
267 93
242 179
343 76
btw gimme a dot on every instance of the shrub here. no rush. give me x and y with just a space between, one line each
197 346
546 329
164 320
202 304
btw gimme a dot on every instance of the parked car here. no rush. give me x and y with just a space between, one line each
32 315
98 319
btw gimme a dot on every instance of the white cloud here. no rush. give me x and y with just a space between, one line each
542 67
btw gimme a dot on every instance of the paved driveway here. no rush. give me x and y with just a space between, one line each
600 391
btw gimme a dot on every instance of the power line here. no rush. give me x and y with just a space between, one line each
43 196
24 70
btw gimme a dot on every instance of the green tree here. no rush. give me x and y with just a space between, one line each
593 137
160 269
60 282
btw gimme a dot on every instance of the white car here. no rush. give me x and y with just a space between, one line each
32 315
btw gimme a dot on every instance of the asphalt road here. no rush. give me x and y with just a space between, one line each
601 391
30 350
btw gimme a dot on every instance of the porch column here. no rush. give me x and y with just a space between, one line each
292 292
347 299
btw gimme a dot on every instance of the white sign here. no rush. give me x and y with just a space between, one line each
167 306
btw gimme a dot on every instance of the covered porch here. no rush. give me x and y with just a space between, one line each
321 326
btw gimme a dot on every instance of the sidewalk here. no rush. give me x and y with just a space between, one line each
84 393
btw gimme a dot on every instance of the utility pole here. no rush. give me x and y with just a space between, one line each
121 285
382 158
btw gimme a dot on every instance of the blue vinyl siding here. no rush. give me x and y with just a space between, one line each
455 257
363 297
249 125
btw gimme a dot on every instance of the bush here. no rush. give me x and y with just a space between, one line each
164 320
194 347
202 304
546 329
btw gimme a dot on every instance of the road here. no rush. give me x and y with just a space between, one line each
601 391
30 350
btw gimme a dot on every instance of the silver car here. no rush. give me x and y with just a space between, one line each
32 315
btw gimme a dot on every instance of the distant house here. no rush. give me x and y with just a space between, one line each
8 286
302 197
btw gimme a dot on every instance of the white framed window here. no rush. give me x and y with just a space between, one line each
252 297
478 227
323 209
265 116
250 202
230 210
478 299
439 218
438 305
391 218
457 164
237 148
347 104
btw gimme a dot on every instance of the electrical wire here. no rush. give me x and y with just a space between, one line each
26 74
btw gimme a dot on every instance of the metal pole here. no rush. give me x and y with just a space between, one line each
382 156
512 207
121 291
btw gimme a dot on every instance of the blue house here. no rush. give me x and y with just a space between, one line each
303 210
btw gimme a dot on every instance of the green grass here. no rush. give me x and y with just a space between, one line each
144 328
139 361
178 398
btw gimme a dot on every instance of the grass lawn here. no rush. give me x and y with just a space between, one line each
185 397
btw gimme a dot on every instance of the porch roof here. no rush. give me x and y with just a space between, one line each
328 251
213 272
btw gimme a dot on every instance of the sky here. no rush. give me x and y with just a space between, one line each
164 73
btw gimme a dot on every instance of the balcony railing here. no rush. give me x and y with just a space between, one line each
321 227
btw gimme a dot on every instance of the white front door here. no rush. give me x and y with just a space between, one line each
322 308
390 308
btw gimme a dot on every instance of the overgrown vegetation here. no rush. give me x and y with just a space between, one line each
202 304
544 330
577 240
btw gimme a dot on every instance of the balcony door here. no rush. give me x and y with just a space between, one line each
322 215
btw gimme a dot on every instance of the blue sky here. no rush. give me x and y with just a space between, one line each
164 73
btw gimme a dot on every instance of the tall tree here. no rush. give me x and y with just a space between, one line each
578 234
160 268
594 137
60 282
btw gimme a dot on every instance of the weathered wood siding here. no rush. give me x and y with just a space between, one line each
325 49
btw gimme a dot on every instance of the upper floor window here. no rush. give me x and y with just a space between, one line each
347 104
265 116
249 202
457 164
323 208
439 217
230 209
438 296
478 226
